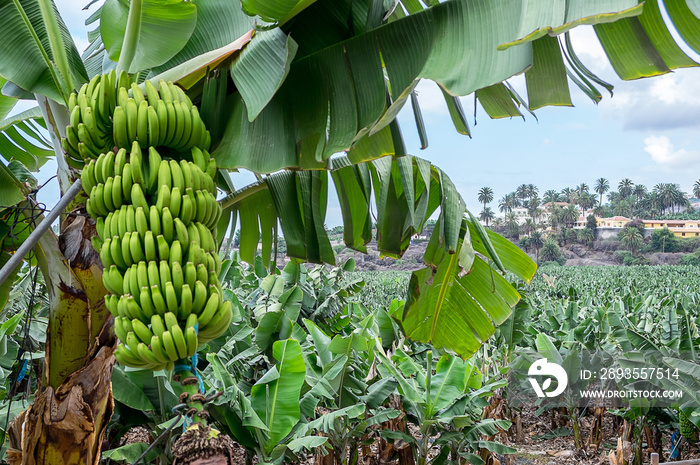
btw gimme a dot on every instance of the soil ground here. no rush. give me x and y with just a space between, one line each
539 448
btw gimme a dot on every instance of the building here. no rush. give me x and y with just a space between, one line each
609 227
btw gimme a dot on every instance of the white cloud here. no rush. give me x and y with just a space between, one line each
664 102
664 153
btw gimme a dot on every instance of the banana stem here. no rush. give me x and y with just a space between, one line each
191 389
131 36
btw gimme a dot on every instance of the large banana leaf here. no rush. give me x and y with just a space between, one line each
333 97
458 300
164 27
38 53
22 138
275 397
11 190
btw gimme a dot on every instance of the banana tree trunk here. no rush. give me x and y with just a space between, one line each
71 409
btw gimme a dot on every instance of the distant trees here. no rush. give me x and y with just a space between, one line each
508 203
551 196
486 215
602 186
536 241
663 240
629 200
485 196
585 236
631 239
625 187
550 251
512 225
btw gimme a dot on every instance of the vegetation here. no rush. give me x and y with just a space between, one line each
166 86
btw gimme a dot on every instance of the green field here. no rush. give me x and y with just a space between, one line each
596 285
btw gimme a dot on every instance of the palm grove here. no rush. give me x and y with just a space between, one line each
281 86
559 210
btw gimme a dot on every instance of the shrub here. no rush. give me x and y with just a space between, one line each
689 259
620 255
688 245
663 239
591 222
550 251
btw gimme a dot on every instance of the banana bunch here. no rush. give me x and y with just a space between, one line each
686 426
111 111
155 216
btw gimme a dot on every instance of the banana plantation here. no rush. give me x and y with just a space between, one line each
127 335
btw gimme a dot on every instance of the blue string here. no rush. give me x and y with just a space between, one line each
23 371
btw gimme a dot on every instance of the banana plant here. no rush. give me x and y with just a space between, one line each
263 419
296 111
572 357
447 403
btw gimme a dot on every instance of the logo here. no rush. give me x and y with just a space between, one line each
542 367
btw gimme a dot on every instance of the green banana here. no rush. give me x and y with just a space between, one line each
141 221
158 325
154 134
157 349
167 225
142 124
149 245
154 220
127 182
191 339
209 309
141 330
185 309
169 346
179 340
158 301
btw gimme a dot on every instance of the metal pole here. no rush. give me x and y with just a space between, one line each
34 237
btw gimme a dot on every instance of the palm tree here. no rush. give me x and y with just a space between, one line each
640 191
631 239
625 187
532 191
582 189
550 250
586 201
696 189
512 225
533 208
551 196
485 196
536 240
568 194
498 224
570 214
486 215
585 236
528 226
508 203
602 185
556 216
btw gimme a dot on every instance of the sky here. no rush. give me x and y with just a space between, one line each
649 131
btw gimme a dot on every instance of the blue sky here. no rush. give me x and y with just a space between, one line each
648 131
